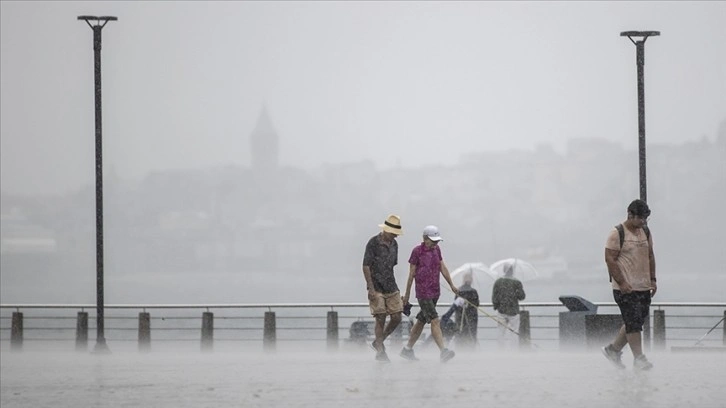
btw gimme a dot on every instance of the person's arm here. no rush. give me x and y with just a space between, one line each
449 312
369 282
447 277
612 252
611 260
411 275
367 262
653 284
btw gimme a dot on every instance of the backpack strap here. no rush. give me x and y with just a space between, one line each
621 232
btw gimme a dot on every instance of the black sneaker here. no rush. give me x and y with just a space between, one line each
408 354
613 356
447 355
382 356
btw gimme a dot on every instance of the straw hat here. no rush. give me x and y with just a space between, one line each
392 224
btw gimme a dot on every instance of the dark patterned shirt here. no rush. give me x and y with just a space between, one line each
381 257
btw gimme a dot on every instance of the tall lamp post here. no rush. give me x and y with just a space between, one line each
641 36
97 24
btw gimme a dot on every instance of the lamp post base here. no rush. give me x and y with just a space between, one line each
101 347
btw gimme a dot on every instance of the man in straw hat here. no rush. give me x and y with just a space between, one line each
384 298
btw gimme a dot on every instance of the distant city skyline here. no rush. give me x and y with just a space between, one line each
273 224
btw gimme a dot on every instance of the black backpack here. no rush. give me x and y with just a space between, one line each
621 233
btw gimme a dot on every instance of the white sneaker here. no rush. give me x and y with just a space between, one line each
613 356
642 363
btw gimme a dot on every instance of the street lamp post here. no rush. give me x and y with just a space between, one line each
97 26
640 62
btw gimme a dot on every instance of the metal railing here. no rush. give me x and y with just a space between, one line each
674 324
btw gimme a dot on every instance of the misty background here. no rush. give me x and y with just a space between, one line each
252 148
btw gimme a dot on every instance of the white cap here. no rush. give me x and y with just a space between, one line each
432 232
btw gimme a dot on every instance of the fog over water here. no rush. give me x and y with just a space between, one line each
252 148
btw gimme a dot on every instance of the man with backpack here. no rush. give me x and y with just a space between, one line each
631 264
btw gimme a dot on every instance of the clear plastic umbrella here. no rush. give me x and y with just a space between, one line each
522 270
479 271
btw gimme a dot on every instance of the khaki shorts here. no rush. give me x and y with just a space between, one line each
386 303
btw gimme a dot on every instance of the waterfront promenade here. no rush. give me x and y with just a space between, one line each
293 376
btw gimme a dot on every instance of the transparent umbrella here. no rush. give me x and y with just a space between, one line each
522 270
479 271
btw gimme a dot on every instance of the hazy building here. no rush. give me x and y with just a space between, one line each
264 144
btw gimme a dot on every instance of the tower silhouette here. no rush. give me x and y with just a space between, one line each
264 144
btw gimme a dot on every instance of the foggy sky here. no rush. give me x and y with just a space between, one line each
407 83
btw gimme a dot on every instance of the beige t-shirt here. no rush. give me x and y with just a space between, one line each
634 258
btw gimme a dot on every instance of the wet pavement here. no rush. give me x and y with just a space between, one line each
181 377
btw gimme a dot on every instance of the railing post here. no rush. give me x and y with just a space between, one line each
646 333
659 329
724 328
524 332
144 331
16 331
82 331
207 331
269 337
332 331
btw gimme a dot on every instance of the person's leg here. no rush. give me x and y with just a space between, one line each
613 350
634 328
436 333
625 305
379 329
446 354
640 312
502 328
635 343
472 322
377 306
514 331
392 324
416 331
425 315
394 308
620 341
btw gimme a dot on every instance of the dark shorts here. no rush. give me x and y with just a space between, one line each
634 308
428 310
